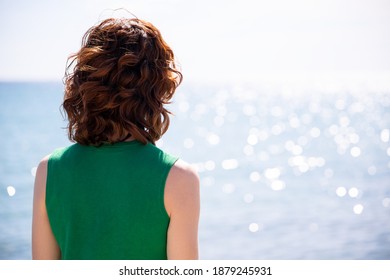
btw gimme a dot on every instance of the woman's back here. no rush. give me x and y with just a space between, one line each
112 199
106 197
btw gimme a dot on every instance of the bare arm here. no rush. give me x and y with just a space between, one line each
182 201
44 245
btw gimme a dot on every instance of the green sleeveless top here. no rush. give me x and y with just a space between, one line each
107 202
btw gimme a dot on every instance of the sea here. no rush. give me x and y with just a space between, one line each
285 174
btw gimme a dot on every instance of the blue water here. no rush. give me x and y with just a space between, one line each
283 176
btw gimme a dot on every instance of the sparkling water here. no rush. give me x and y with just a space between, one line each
283 176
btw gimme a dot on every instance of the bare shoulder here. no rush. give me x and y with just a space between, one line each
42 166
182 171
182 186
44 245
44 161
40 176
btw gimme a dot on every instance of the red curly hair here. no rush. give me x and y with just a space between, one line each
122 77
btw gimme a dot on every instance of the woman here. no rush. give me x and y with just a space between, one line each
113 194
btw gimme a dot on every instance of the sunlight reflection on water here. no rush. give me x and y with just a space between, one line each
11 190
301 158
287 176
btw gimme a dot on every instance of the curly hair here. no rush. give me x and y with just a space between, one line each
121 78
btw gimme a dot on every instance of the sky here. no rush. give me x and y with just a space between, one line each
214 41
